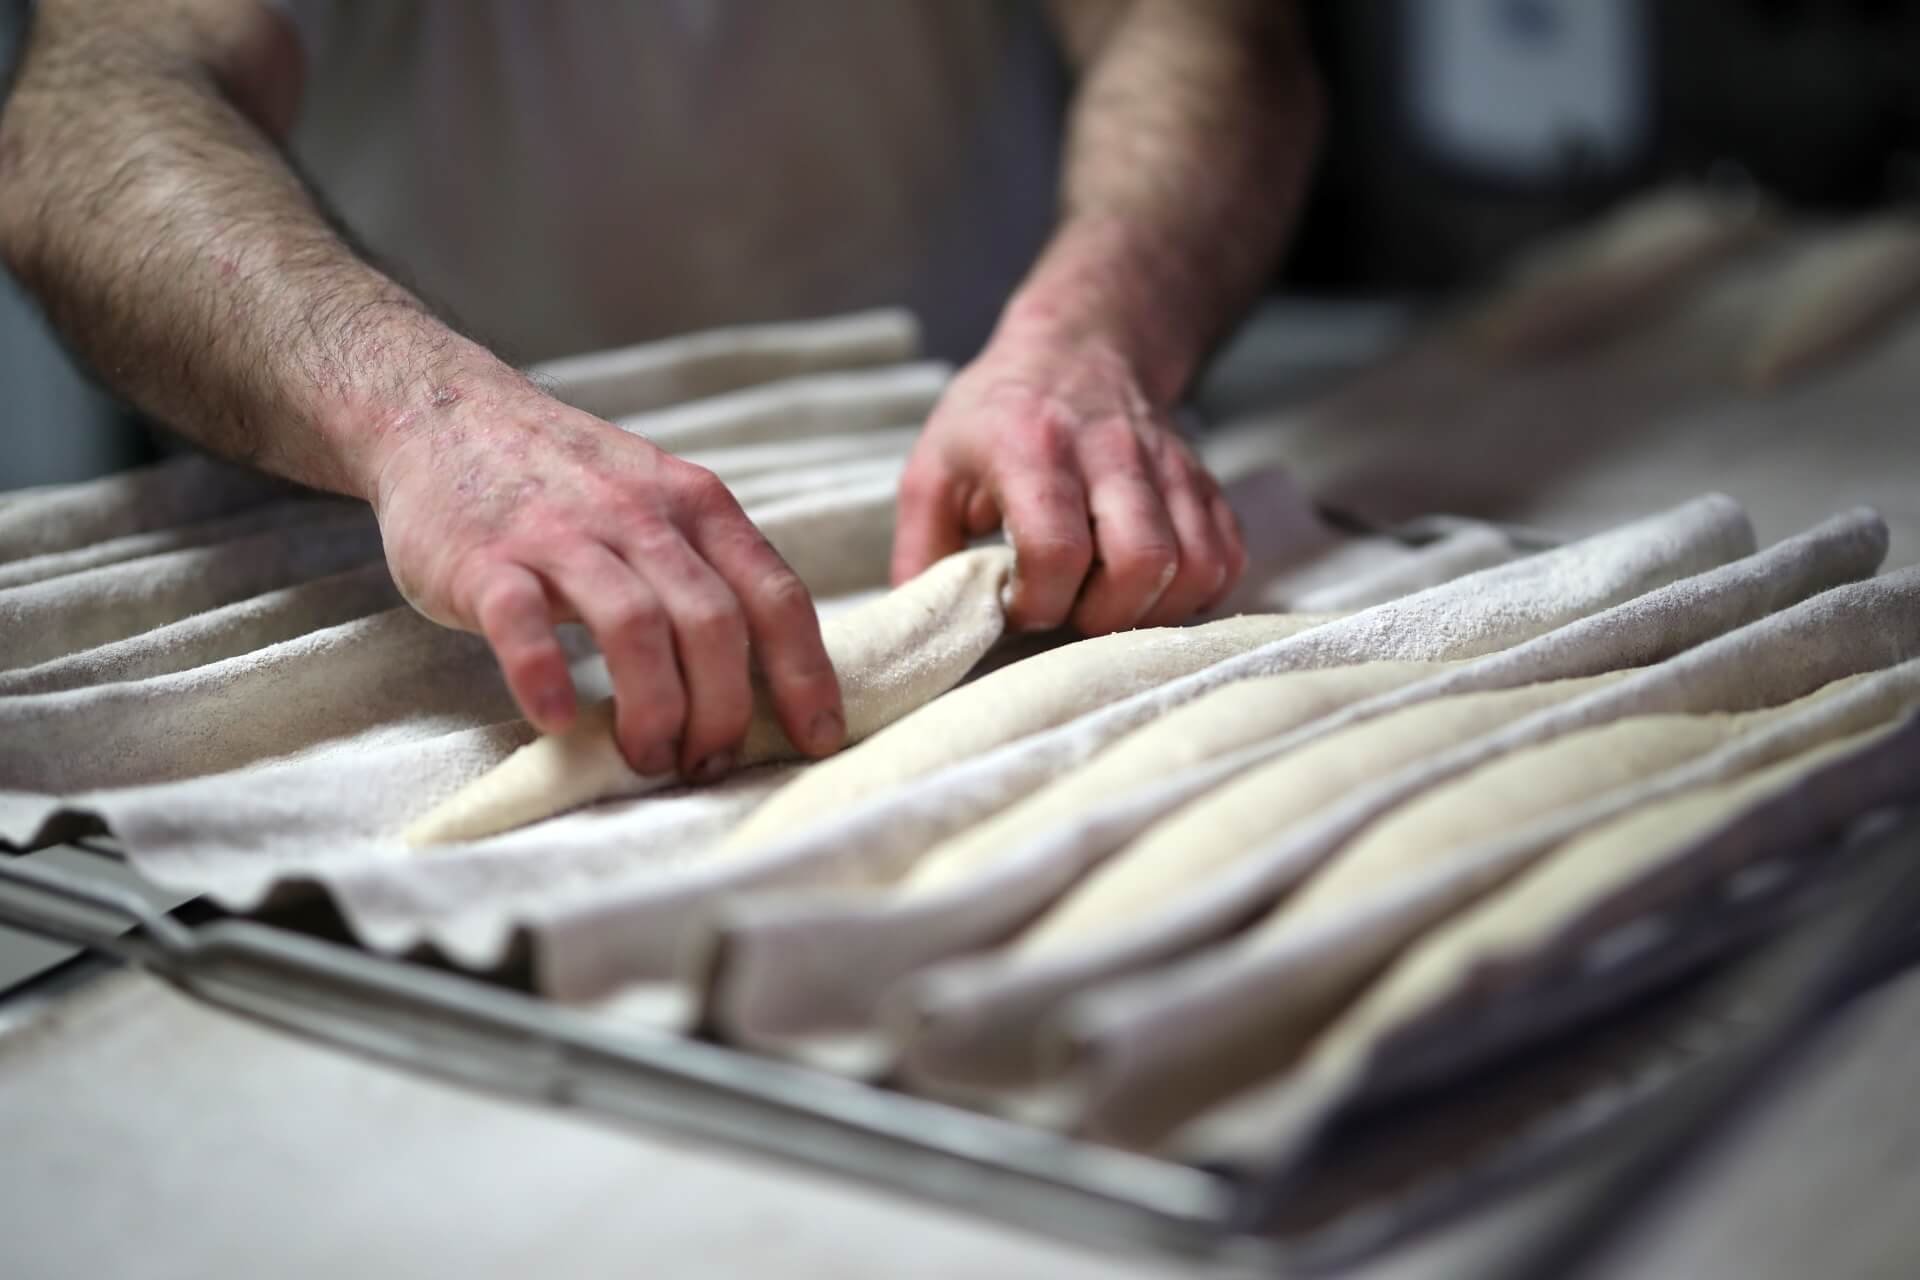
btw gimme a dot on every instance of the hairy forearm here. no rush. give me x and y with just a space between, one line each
1189 146
143 202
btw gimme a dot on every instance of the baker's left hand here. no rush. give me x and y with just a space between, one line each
1114 522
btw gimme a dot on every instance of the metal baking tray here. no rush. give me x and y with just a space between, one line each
1603 1090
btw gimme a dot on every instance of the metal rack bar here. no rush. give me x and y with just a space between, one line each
507 1041
463 1029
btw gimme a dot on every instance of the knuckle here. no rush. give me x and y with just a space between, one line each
782 593
1057 552
1049 505
1115 440
633 619
1047 436
711 618
705 490
1145 561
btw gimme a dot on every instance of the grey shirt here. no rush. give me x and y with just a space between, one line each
578 174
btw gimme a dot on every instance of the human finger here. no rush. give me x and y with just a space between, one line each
511 609
1227 524
1138 551
784 630
710 636
1203 555
1044 506
631 627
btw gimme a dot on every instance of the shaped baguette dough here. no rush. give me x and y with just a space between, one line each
1512 790
1334 936
1037 693
1556 892
1473 953
1836 296
1232 716
892 656
1209 833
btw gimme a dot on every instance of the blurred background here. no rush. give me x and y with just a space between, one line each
1461 130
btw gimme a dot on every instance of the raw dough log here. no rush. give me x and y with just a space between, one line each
1591 285
1260 1002
1510 792
1558 891
1209 834
891 656
1836 296
1232 716
1593 881
1038 693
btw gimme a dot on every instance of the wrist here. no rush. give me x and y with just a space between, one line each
1107 288
416 384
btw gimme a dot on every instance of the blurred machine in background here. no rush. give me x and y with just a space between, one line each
1461 129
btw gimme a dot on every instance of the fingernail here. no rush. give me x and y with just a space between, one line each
826 730
659 761
714 767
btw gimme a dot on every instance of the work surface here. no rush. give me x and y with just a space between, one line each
149 1136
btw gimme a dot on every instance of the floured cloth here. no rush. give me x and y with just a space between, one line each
217 667
658 926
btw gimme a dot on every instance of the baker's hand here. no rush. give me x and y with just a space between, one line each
1114 522
512 512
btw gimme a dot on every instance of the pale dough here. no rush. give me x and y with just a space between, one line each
1559 890
1232 716
1474 952
1038 693
1590 285
1210 833
1400 878
1835 296
1511 791
892 656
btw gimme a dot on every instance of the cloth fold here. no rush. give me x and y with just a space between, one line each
1210 1023
1593 904
813 963
217 667
658 928
976 1022
695 366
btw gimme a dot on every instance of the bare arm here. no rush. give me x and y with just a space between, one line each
144 200
1189 146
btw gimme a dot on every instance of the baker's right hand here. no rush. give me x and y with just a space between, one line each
509 512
